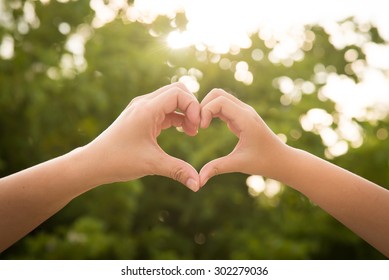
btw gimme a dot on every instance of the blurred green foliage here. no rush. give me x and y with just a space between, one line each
44 115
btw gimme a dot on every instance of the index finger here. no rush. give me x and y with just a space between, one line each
216 92
177 98
168 87
226 110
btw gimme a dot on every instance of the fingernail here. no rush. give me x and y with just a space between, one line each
192 184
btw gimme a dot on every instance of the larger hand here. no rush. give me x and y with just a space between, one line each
128 149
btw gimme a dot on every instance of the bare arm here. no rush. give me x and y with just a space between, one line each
356 202
125 151
31 196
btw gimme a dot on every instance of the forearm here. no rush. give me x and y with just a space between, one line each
31 196
126 150
356 202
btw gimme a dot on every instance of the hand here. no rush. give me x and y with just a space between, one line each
258 149
128 149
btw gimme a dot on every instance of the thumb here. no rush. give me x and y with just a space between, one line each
218 166
180 171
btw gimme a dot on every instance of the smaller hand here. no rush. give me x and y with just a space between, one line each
128 149
258 147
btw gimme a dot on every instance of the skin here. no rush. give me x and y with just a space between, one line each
125 151
128 150
359 204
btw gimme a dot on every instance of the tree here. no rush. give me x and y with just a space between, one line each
49 105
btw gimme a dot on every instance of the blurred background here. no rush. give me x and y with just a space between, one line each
316 71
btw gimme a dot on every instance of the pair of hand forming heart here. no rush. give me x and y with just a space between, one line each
128 149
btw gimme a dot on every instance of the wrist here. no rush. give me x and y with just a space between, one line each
85 167
281 161
292 165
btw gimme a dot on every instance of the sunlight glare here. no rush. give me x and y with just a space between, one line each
64 28
177 40
329 136
242 73
7 47
366 100
106 11
190 82
189 78
338 149
377 55
273 187
29 14
226 27
315 120
256 184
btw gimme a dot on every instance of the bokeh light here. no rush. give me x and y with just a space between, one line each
258 185
226 27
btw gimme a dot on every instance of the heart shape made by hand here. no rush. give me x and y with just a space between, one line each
197 150
143 120
252 154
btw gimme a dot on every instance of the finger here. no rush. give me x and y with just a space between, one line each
168 87
215 93
225 109
176 98
222 165
177 119
150 96
180 171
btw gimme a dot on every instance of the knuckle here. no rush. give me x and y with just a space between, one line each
134 101
221 98
251 110
177 174
217 92
179 86
215 171
172 92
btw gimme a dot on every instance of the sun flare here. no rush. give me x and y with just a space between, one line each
226 27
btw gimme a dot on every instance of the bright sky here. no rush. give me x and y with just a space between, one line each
220 23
